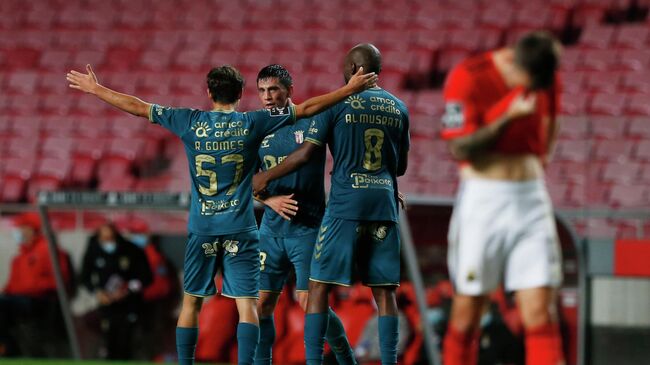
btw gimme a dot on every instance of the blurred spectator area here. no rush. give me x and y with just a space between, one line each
53 138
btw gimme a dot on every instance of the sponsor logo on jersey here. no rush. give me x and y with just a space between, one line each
300 136
279 112
210 248
454 116
356 102
201 129
363 181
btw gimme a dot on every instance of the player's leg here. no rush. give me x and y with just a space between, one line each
379 264
543 338
331 264
241 275
274 269
200 267
533 270
460 346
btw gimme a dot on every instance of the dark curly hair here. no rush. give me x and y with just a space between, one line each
225 84
539 54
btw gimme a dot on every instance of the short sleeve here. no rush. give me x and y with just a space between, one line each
319 128
177 120
460 117
405 142
268 121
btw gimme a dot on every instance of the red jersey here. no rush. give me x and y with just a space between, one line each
161 286
31 271
476 95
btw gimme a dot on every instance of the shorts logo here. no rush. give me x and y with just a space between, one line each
210 248
300 136
231 246
279 112
124 263
201 129
454 117
381 232
262 260
356 102
471 276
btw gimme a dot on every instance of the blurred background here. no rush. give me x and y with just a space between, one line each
55 139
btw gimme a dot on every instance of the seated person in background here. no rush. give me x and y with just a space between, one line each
160 298
117 272
31 290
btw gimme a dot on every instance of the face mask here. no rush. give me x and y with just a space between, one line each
17 235
140 240
109 247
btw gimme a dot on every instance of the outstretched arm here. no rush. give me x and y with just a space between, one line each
315 105
88 83
290 164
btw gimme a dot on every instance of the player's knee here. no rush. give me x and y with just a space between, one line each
536 314
385 299
303 298
466 313
192 304
266 306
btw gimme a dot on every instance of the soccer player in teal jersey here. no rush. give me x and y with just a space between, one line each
221 146
369 140
288 234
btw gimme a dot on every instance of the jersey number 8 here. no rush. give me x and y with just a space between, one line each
212 175
372 157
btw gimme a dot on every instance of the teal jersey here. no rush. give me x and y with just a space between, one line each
306 183
365 134
221 149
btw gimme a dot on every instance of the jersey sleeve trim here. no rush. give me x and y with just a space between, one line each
150 117
314 141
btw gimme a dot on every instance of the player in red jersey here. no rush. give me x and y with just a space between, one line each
500 122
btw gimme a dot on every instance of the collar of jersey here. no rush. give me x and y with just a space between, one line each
223 111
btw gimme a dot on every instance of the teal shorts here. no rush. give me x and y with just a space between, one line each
236 255
279 254
349 249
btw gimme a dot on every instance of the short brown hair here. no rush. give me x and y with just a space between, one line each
538 53
225 84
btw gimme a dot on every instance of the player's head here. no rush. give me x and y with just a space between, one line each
274 86
536 56
26 228
363 55
225 85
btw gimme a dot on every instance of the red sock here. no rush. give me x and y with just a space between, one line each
544 345
459 348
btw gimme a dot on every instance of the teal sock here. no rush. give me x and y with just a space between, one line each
388 335
338 340
315 330
186 338
248 336
264 352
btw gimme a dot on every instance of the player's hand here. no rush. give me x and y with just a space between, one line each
522 106
85 82
284 205
401 198
103 298
260 182
360 81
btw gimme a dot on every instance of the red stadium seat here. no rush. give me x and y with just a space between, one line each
571 59
573 82
638 82
598 37
642 152
629 196
639 105
154 60
621 173
634 60
22 82
53 83
599 60
639 128
604 82
608 127
613 150
576 151
57 147
573 127
632 36
608 104
55 60
573 104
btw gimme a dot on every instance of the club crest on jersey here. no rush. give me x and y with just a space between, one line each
278 112
300 136
381 232
356 102
231 246
201 129
454 117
